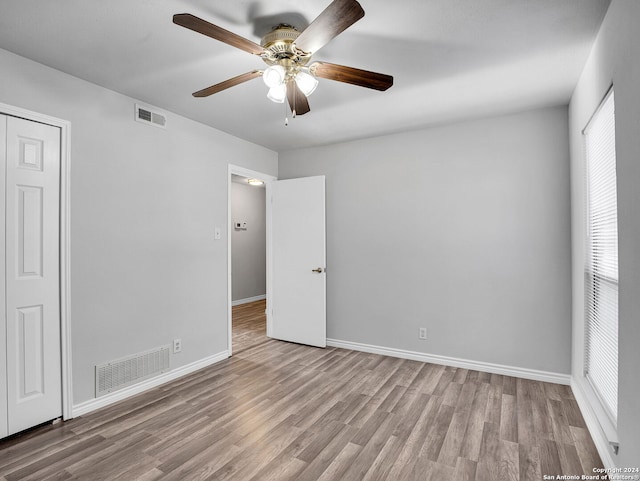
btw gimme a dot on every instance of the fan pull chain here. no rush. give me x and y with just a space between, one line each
293 113
286 114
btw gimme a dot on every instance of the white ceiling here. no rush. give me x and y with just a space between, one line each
451 59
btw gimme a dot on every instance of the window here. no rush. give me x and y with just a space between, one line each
601 263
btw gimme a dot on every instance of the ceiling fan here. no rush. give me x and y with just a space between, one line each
287 52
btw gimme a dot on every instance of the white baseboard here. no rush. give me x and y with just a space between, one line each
248 300
593 425
102 401
532 374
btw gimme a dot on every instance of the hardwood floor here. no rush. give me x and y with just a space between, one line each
280 411
249 326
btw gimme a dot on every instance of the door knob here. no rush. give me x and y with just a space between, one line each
318 270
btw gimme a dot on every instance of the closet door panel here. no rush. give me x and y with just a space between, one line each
32 273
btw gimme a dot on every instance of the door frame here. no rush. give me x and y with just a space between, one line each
267 179
64 254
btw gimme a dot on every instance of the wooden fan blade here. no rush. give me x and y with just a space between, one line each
297 100
336 18
214 89
210 30
350 75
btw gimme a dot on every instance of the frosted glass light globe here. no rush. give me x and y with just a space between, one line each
306 82
274 76
278 93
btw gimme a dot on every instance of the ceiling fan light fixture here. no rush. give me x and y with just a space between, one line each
278 93
306 82
274 76
287 52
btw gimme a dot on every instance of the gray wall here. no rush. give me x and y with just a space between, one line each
463 229
248 247
144 203
615 58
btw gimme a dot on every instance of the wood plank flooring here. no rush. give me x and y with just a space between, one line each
280 411
249 326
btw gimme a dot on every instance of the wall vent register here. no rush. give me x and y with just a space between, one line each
150 116
123 372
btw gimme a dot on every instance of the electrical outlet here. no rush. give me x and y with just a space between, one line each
422 333
177 346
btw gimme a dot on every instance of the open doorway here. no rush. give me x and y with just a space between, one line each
248 263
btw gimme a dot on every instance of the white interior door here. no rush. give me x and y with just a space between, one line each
298 295
32 286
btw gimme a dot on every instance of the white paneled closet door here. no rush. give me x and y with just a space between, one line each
31 378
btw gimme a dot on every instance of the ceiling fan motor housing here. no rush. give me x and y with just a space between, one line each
280 48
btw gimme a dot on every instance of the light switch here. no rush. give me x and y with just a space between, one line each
218 234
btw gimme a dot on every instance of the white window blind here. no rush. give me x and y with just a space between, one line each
601 266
